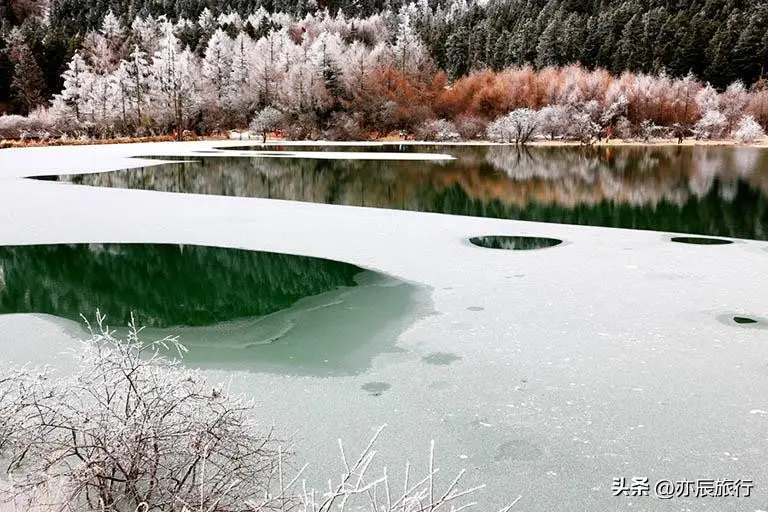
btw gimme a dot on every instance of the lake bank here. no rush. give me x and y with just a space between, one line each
383 140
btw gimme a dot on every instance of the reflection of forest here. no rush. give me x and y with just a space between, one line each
164 285
715 190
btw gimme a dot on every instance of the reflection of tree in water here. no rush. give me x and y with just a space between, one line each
644 187
628 175
164 285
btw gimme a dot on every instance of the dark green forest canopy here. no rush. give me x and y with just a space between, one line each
718 40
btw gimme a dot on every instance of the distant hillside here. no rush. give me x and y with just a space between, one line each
719 41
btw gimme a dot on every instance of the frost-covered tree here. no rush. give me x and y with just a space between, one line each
100 100
120 91
111 27
242 94
266 120
325 55
410 55
270 64
174 81
139 79
148 32
748 130
733 102
524 123
583 128
683 98
708 99
554 120
217 68
78 81
518 126
133 430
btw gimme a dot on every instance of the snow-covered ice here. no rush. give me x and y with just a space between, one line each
563 367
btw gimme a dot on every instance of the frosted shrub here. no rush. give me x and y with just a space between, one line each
439 130
14 127
649 129
131 427
711 125
624 128
344 127
582 128
748 130
499 130
470 127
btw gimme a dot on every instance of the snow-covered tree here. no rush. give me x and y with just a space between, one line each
583 128
120 91
174 83
554 120
266 120
707 99
270 65
217 66
518 126
733 102
131 427
138 74
524 123
410 55
78 81
111 27
100 100
242 94
325 55
148 32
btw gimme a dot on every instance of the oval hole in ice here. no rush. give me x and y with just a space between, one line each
700 240
514 243
376 388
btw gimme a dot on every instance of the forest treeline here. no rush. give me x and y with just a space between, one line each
334 70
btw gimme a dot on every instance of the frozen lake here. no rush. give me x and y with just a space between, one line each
546 372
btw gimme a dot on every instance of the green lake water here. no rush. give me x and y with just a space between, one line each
232 308
719 191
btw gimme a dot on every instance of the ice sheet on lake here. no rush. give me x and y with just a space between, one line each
603 357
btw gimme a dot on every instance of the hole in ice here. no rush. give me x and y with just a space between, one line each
700 240
440 358
376 388
475 308
440 385
514 243
747 322
519 449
